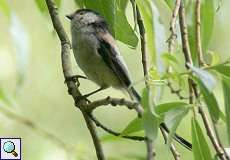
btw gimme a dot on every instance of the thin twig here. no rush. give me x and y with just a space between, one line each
172 28
114 102
175 154
110 131
192 85
149 144
67 71
176 91
198 33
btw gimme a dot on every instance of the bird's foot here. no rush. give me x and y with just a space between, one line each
75 78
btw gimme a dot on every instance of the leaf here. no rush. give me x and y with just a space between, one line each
173 119
5 8
146 11
21 43
134 126
170 3
58 3
41 6
207 24
223 68
150 120
226 90
208 80
200 147
114 13
165 107
210 99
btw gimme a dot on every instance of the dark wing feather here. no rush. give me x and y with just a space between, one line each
112 58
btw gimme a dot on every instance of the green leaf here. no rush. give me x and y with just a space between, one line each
200 147
5 8
114 13
41 4
170 3
150 120
165 107
207 79
210 99
207 24
134 126
223 68
226 89
173 119
146 11
79 3
58 3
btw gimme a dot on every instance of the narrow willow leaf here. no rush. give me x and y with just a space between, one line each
210 100
114 13
170 3
223 68
165 107
226 89
150 120
41 5
173 119
207 24
146 11
200 147
134 126
5 8
207 79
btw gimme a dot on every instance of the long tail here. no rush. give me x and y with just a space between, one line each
134 95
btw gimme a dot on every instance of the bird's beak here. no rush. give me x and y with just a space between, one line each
70 16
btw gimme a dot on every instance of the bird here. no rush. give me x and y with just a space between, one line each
97 54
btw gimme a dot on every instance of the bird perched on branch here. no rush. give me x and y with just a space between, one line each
98 56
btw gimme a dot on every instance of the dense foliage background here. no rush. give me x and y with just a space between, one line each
31 80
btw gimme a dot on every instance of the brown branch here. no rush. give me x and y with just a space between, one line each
192 85
173 150
110 131
67 71
114 102
149 144
176 91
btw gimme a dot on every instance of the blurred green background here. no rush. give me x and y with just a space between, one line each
34 84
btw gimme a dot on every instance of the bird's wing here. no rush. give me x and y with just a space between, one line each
109 52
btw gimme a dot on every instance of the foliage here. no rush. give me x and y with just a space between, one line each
171 111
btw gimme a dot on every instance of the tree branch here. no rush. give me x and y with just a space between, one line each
67 71
149 145
110 131
192 85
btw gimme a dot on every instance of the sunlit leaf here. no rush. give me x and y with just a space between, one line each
210 99
114 12
200 147
226 89
207 78
58 3
79 3
5 8
20 40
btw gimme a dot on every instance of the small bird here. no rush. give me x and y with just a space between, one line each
96 53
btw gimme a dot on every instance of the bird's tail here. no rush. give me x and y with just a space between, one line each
135 96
